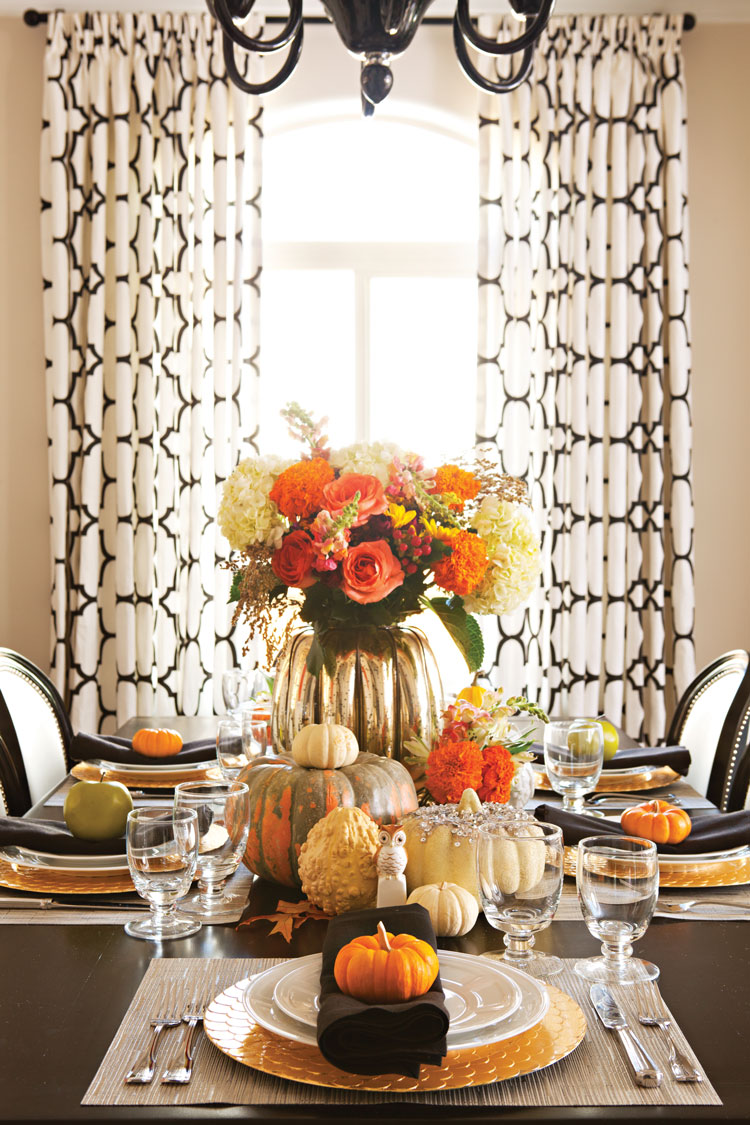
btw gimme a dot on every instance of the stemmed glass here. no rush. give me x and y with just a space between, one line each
223 811
229 749
162 849
254 732
573 757
235 689
520 876
618 885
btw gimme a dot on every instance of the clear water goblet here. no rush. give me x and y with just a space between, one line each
223 811
162 847
254 732
229 749
573 758
520 876
618 884
235 689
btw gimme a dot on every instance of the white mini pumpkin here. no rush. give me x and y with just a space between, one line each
452 909
325 746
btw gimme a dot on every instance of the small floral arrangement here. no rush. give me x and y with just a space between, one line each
360 535
476 749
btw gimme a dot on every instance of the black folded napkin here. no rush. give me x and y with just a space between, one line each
708 834
49 836
380 1038
676 757
112 748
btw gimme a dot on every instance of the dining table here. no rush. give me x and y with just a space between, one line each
65 989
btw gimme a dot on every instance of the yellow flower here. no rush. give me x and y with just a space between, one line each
437 531
399 515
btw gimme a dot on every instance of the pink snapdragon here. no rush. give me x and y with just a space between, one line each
409 478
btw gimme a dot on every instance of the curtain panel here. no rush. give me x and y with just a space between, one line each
150 176
584 362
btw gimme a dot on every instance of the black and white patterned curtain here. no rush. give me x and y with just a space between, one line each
584 362
151 259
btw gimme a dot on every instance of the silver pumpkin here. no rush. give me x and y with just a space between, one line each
380 681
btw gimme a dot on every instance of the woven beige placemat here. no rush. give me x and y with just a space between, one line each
595 1074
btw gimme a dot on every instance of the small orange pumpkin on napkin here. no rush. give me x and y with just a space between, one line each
658 821
156 743
383 969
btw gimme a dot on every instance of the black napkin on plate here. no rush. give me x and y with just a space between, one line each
676 757
49 836
380 1038
112 748
708 834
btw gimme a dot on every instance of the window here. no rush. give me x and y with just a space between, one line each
368 310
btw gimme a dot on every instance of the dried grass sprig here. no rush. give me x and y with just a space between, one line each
271 620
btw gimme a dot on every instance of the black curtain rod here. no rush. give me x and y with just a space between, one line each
33 18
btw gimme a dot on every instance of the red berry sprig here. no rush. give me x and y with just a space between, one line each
412 545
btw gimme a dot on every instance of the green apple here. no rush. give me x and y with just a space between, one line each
97 810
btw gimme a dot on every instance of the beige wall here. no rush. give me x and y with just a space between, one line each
719 116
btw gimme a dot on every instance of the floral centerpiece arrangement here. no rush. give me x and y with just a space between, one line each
363 535
477 748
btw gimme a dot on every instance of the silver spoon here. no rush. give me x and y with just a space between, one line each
690 903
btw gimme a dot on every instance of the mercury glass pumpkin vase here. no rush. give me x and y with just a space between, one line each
380 681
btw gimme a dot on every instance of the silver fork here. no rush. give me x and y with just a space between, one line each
142 1072
181 1073
681 1067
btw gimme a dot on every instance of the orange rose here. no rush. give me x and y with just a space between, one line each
292 563
370 572
372 499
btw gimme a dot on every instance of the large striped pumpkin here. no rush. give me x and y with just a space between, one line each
286 800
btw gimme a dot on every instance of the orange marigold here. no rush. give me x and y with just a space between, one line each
453 767
463 569
497 774
298 491
460 484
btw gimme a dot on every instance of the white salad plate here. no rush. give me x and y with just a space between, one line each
473 1001
150 767
458 971
77 864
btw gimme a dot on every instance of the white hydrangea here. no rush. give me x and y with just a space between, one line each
515 560
246 515
372 458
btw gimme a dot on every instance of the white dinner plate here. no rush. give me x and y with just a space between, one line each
150 767
258 999
476 999
78 864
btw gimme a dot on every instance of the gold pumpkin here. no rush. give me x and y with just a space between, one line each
452 909
325 746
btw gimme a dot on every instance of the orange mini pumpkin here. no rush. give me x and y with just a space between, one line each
658 821
153 743
383 969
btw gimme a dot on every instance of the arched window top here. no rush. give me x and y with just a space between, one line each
333 177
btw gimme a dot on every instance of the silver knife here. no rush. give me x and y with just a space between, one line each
646 1071
8 903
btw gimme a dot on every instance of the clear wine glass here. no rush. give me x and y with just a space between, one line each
618 885
235 689
223 811
162 849
520 876
254 732
573 758
229 749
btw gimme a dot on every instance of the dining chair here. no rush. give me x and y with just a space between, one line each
733 752
699 720
35 731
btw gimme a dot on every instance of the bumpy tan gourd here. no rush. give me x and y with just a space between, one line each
325 746
447 850
453 910
337 864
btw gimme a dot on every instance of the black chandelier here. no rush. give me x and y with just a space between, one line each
377 31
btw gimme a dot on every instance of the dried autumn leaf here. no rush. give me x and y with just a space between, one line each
288 917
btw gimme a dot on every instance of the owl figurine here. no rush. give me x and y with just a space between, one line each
390 864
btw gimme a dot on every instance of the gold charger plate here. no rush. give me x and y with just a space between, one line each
727 872
230 1028
145 779
21 878
648 777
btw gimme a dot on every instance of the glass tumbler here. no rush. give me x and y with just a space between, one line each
235 689
520 876
162 855
573 757
618 884
230 752
223 811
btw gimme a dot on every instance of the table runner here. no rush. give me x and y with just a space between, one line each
595 1074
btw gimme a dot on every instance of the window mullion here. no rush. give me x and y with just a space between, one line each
362 356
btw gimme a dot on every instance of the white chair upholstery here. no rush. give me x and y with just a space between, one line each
702 712
40 736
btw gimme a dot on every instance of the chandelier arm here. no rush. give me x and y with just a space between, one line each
502 85
534 29
237 35
270 84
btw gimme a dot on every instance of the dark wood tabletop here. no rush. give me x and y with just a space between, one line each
64 990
